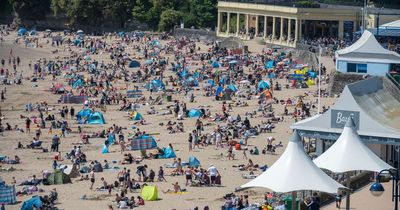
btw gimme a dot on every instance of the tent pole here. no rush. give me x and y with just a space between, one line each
294 198
348 191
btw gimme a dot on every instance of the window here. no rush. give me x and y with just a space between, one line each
362 68
351 67
357 67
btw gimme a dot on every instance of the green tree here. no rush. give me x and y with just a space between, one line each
31 9
168 19
120 10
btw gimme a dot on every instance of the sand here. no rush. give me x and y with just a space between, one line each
33 162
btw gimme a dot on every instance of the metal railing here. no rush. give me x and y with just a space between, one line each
392 79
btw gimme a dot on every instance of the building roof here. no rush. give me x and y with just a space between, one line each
294 171
348 153
366 49
392 25
374 104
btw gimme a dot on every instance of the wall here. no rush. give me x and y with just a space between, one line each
341 66
377 69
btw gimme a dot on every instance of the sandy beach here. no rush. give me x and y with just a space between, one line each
33 162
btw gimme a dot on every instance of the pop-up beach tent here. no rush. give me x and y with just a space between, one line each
83 114
134 64
58 177
168 153
137 116
96 118
195 113
149 193
193 161
32 202
262 85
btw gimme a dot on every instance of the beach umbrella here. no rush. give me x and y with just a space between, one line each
143 143
48 30
88 58
230 57
294 171
80 32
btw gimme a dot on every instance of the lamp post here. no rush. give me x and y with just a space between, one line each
377 189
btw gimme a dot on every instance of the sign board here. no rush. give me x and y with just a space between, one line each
340 117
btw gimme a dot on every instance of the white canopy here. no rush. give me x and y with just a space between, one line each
367 49
348 153
294 171
392 25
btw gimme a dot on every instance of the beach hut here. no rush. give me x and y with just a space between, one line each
96 118
7 194
137 116
143 143
134 64
149 193
195 113
58 177
32 202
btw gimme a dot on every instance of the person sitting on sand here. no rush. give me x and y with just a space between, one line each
140 201
176 188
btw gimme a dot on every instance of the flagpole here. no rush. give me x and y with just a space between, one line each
319 80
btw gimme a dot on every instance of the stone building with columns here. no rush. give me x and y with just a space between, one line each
286 25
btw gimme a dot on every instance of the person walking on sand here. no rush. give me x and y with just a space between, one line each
92 179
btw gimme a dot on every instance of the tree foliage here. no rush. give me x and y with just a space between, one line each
157 14
31 9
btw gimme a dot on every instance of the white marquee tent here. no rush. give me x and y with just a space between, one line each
367 49
294 171
348 153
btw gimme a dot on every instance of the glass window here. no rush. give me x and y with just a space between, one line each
362 68
351 67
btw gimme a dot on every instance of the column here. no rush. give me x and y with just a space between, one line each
340 29
228 23
237 24
281 32
289 31
273 27
247 24
219 23
265 26
296 31
300 29
256 32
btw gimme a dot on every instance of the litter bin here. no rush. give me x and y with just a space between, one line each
288 203
169 98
